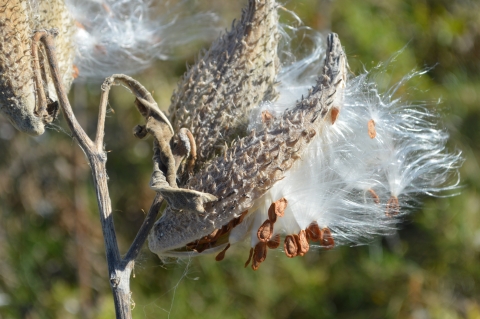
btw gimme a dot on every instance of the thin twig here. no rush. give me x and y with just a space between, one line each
144 230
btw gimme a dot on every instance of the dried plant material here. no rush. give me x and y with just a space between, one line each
253 164
327 241
221 255
374 195
334 114
265 231
18 100
266 116
277 209
274 242
216 95
259 255
371 129
249 258
393 207
313 232
290 246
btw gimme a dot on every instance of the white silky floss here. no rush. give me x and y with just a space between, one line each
346 180
125 36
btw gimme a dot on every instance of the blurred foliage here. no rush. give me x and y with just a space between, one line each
52 262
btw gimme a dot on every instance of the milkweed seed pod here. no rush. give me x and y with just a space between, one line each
19 19
53 14
215 96
372 157
252 165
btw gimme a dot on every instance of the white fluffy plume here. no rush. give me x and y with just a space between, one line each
364 173
127 35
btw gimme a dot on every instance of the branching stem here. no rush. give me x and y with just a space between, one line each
119 269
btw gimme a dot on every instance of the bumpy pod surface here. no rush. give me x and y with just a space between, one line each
216 94
19 19
253 164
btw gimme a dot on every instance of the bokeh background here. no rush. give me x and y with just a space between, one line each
52 262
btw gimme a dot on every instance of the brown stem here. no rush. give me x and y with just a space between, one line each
119 270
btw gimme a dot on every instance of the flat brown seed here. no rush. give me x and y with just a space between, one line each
266 116
259 255
334 114
265 231
290 246
279 207
375 197
371 129
221 254
302 243
271 213
313 232
393 207
249 257
274 242
75 71
327 241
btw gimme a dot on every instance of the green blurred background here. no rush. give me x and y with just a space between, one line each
52 262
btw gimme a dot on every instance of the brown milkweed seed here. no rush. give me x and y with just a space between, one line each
371 129
302 243
313 232
393 207
375 197
221 254
277 209
249 257
327 241
265 231
290 246
334 114
266 116
274 242
259 255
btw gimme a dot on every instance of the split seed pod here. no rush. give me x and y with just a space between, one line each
19 19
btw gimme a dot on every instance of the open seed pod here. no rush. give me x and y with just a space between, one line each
252 165
19 95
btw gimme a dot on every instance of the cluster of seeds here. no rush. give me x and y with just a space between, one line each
294 244
214 238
